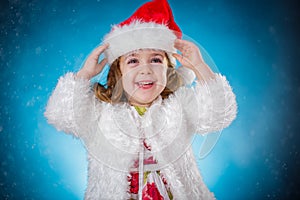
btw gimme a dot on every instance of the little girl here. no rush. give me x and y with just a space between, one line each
137 128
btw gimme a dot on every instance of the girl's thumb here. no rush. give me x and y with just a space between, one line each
178 57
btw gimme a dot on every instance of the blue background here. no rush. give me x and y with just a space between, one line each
254 43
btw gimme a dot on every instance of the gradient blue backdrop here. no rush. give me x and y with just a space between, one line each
254 43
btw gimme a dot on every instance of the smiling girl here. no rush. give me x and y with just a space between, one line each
138 127
144 76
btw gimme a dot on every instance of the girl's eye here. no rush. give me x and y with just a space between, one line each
133 61
156 60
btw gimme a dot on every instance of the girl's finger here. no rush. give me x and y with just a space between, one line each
100 49
183 60
180 58
100 66
181 45
102 63
178 44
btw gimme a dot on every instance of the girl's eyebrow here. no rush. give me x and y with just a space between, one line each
136 54
131 54
157 54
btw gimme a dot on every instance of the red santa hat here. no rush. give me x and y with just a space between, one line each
151 26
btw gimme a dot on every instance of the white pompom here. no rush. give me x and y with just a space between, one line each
187 74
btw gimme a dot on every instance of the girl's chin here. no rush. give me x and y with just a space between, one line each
142 101
144 97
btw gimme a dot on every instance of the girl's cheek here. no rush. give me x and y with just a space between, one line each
128 79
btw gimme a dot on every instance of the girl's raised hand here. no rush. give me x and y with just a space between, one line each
91 66
191 58
190 53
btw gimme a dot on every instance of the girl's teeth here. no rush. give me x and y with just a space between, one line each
145 83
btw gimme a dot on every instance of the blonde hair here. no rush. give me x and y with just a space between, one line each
111 93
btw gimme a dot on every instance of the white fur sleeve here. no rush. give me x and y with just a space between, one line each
209 106
70 105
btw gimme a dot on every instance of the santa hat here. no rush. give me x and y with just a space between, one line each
151 26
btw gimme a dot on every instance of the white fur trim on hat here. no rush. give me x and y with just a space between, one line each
139 35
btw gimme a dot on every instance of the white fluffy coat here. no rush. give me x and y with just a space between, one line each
110 133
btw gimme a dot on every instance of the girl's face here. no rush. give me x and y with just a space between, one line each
144 75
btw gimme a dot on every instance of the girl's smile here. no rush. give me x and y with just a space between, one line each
147 84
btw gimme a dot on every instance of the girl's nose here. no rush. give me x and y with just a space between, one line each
146 69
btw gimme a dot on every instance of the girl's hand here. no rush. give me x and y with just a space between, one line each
91 66
192 59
